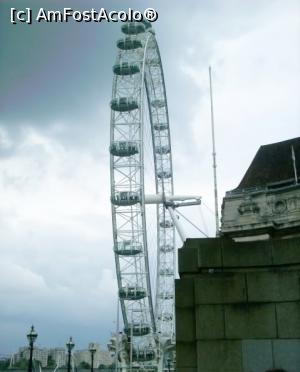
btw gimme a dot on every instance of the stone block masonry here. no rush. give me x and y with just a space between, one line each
238 306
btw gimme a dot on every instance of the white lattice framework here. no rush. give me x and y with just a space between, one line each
138 85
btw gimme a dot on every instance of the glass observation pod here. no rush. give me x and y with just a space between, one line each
164 174
166 271
162 149
124 198
128 248
123 104
129 43
165 317
166 248
133 28
166 296
146 23
124 148
160 126
158 103
166 224
143 355
151 43
153 62
137 329
132 293
126 68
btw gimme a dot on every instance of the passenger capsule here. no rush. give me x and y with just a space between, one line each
123 104
160 126
166 224
151 43
164 174
166 296
158 103
162 150
132 293
166 317
143 355
166 271
166 248
146 23
126 68
129 43
153 62
125 198
133 28
137 329
128 248
124 148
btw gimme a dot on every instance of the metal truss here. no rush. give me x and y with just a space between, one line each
138 86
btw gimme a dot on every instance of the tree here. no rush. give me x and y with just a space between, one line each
4 364
22 363
84 365
51 361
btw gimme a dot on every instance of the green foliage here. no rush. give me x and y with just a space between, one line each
4 364
51 362
110 367
84 365
21 364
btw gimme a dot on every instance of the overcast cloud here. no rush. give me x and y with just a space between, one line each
57 266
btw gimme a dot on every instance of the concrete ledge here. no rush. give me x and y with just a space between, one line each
288 319
186 355
273 286
248 254
200 253
184 292
210 322
220 288
250 321
287 354
243 316
185 325
209 253
217 356
286 251
187 260
257 355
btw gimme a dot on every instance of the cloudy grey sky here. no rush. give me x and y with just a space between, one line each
56 263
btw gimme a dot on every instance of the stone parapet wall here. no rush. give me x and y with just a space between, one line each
272 210
238 306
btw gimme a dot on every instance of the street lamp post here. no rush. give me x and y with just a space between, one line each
70 344
169 364
92 351
32 336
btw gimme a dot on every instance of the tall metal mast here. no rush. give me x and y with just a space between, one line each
214 155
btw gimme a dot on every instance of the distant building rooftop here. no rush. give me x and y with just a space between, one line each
272 163
267 201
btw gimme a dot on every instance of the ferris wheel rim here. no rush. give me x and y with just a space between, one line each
159 179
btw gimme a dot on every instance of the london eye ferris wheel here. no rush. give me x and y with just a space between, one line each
139 122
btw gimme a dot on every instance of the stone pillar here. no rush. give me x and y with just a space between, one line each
238 306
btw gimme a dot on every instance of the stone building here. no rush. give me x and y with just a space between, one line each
101 357
238 296
267 201
40 355
59 356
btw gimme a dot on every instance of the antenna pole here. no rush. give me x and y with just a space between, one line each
294 164
214 155
117 336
